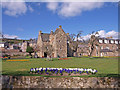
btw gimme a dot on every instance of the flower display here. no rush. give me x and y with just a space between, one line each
62 70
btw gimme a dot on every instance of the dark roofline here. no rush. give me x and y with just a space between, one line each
106 50
108 39
45 33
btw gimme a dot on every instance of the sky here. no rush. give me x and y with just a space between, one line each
25 19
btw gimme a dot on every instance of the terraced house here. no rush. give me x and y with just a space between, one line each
59 44
107 47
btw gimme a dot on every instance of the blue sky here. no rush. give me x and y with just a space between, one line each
24 20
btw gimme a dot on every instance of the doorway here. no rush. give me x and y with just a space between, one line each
45 54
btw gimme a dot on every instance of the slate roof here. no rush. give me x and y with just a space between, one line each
45 37
107 38
106 50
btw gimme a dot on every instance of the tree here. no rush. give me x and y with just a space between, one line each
92 42
72 37
78 36
29 50
78 39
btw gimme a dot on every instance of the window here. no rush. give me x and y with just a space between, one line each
97 47
100 41
101 47
112 41
117 47
107 47
97 54
116 42
105 41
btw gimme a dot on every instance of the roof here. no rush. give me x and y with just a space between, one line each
108 39
45 37
105 50
57 30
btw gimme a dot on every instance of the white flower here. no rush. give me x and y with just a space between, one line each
33 69
81 69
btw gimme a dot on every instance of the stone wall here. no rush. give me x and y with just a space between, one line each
59 82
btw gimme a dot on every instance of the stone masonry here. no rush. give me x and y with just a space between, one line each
53 44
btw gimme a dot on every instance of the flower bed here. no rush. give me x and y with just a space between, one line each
63 58
62 71
18 60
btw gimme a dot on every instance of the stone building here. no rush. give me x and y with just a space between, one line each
53 44
105 47
59 44
82 50
24 46
108 47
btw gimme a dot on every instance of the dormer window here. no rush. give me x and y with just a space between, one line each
100 41
116 42
105 41
112 41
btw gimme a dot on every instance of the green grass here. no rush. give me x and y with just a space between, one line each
104 66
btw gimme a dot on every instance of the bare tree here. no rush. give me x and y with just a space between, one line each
78 38
72 37
93 42
1 34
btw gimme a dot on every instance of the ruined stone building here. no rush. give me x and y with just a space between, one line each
53 44
101 47
107 47
59 44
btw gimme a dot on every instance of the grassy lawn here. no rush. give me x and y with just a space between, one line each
104 66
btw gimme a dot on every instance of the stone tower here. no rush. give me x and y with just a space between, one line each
53 44
60 43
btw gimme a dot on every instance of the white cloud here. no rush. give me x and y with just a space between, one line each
30 8
104 34
38 4
112 33
14 8
10 36
52 6
69 9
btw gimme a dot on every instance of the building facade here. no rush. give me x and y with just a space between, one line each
53 44
59 44
108 47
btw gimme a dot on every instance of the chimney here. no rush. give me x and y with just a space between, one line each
56 28
51 32
40 32
60 27
67 34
